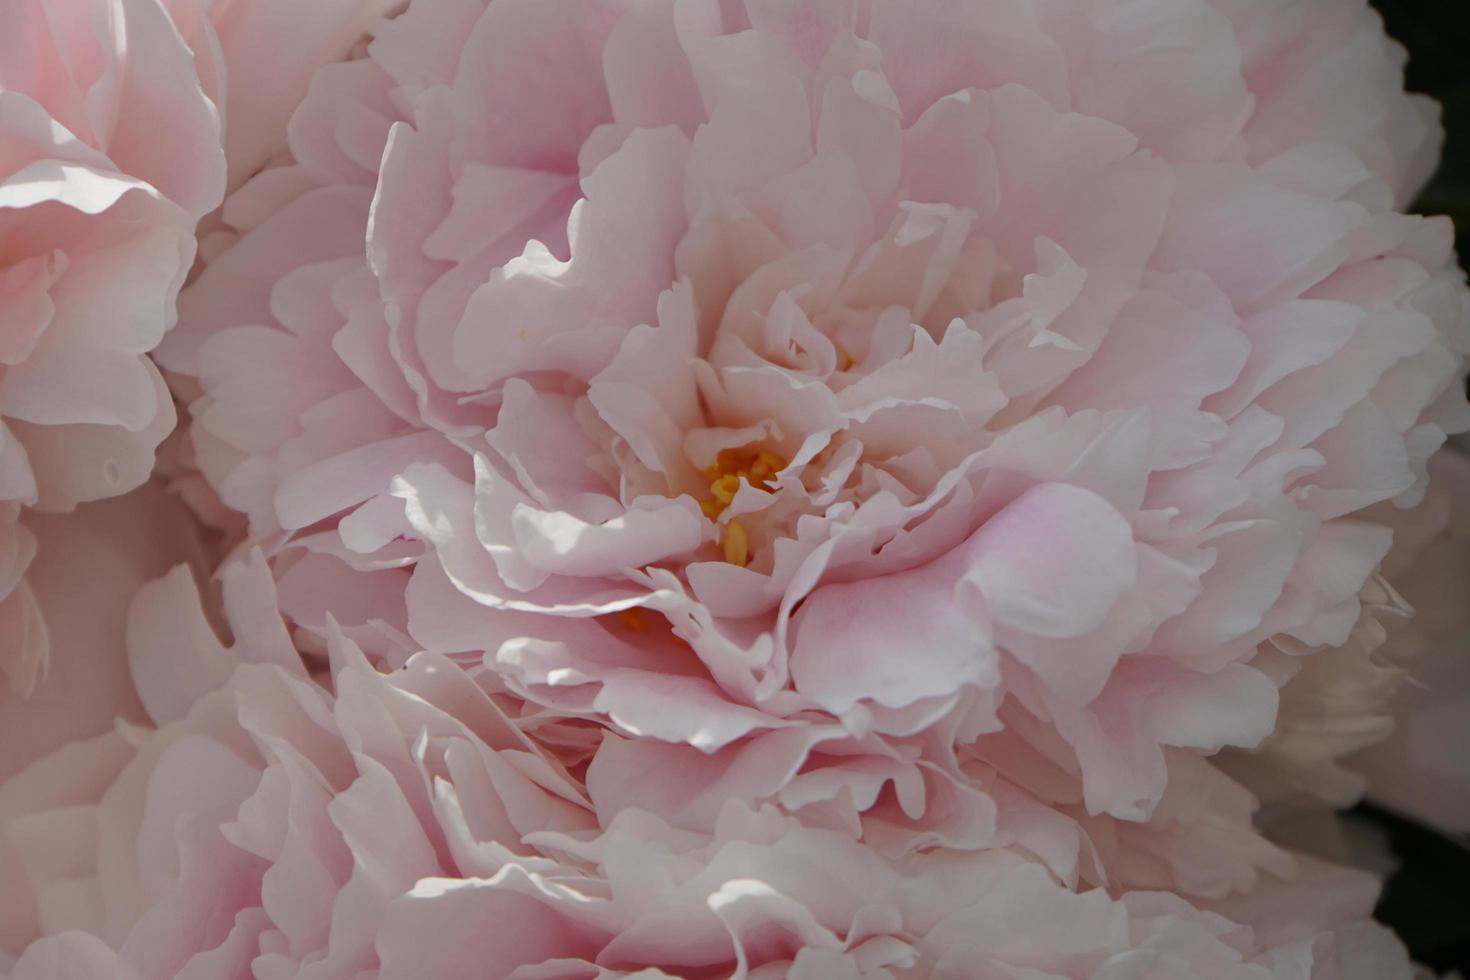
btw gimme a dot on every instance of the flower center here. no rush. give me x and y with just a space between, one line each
733 467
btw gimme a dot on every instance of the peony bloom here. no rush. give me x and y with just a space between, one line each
98 205
1396 675
271 820
940 422
113 144
1419 770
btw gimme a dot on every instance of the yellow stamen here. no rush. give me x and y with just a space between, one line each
767 464
730 469
725 487
737 544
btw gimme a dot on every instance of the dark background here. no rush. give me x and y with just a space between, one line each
1428 901
1437 34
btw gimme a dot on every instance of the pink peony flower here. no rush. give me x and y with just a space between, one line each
1337 705
1420 769
96 203
111 149
782 488
937 421
83 409
273 822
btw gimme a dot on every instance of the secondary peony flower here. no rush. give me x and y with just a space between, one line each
111 149
1396 675
934 420
1417 770
273 822
97 207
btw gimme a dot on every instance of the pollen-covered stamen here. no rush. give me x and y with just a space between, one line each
732 466
724 488
758 468
737 544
